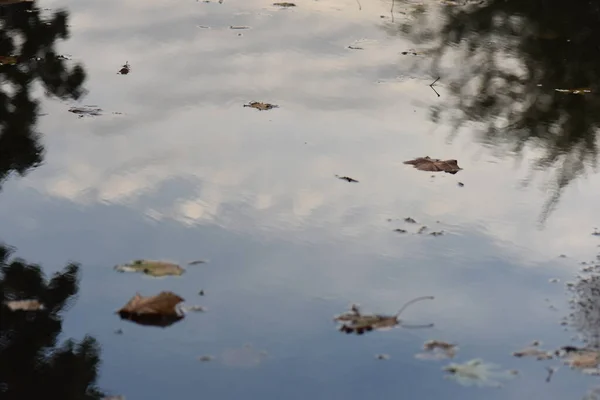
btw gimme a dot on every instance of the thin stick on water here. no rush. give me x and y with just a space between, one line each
359 6
433 83
392 10
411 302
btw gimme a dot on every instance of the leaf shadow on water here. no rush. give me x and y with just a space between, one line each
31 35
516 60
32 364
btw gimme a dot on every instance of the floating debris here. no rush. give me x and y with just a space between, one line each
206 358
554 280
422 230
197 262
151 267
437 350
583 359
201 293
284 4
356 322
238 27
400 230
382 356
477 373
438 233
355 48
24 305
186 309
574 91
160 310
346 178
551 371
534 351
261 106
118 331
8 60
120 397
410 220
124 69
434 165
460 184
86 111
412 53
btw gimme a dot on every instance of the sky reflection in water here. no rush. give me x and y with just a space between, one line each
186 172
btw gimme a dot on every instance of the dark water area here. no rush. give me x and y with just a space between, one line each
164 162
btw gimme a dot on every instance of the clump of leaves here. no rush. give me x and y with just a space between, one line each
159 310
437 350
477 373
261 106
152 268
354 321
434 165
347 179
125 69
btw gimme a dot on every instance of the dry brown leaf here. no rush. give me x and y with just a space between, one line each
151 267
434 165
24 305
159 310
261 106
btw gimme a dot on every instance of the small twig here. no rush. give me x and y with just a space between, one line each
550 373
433 83
392 10
359 6
411 302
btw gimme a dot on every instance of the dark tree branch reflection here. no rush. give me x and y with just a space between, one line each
502 61
25 32
32 365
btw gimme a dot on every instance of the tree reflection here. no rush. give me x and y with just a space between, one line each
25 32
32 366
502 61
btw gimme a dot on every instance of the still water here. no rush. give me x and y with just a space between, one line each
175 168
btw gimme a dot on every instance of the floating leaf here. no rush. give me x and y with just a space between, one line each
437 350
346 178
8 60
261 106
583 359
152 268
477 373
356 322
125 69
533 351
434 165
159 310
574 91
86 111
284 4
24 305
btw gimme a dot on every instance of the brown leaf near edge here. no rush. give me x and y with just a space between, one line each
159 310
434 165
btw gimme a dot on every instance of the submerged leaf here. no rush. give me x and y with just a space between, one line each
24 305
477 373
437 350
434 165
159 310
261 106
151 267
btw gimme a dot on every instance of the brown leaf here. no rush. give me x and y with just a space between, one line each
261 106
584 359
434 165
533 352
159 310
